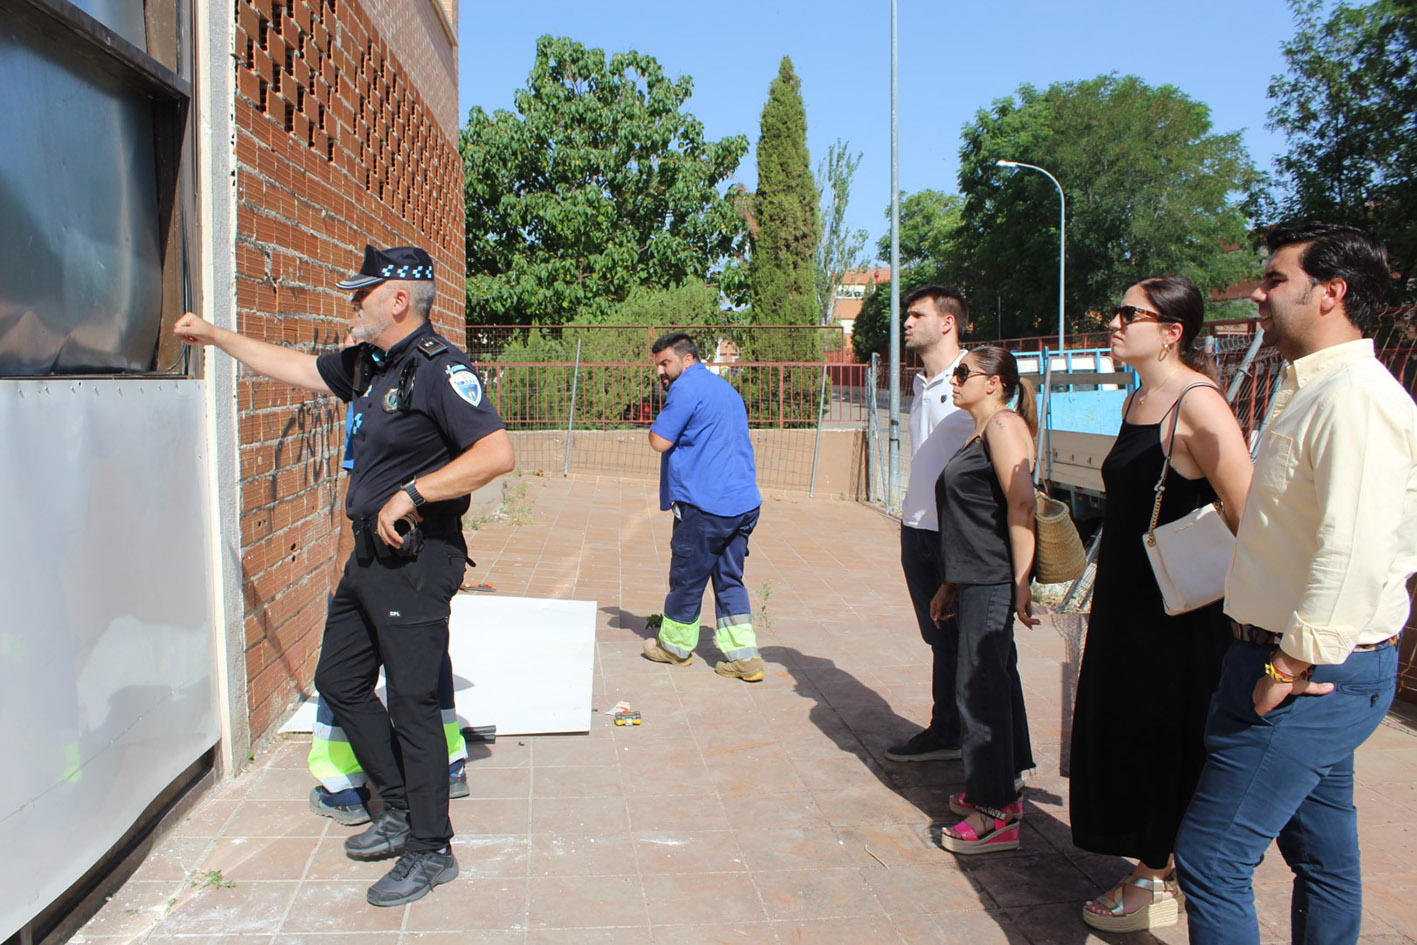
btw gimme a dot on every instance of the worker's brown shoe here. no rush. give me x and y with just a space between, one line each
653 651
749 670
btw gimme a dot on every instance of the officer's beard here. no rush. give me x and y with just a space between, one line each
369 328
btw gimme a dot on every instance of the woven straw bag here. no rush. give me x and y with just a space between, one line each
1058 554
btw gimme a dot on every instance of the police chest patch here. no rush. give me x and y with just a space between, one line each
466 385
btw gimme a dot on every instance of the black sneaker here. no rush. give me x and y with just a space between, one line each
326 804
923 747
413 877
457 780
384 838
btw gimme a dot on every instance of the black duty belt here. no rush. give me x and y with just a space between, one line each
368 544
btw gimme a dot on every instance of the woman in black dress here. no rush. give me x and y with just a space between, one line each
1147 678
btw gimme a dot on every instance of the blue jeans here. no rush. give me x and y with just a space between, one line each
920 562
1288 774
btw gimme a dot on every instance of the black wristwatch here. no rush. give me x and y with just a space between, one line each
411 490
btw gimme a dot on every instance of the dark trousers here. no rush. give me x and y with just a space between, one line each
1286 774
920 562
990 695
394 612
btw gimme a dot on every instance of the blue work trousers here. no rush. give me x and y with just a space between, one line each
707 547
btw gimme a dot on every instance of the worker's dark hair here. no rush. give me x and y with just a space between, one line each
679 341
1339 251
947 299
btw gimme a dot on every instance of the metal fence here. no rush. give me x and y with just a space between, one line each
579 398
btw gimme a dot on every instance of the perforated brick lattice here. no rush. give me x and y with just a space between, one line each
322 74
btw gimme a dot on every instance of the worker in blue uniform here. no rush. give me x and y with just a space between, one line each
708 478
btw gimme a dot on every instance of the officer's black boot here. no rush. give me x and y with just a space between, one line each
384 838
413 877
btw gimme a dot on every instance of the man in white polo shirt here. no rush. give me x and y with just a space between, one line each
934 316
1318 592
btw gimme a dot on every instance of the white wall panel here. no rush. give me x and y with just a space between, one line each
106 643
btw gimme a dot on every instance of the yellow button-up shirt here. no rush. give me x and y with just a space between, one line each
1329 535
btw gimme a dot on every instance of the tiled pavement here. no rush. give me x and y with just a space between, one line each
736 813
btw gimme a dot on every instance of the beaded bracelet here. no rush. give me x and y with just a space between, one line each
1277 674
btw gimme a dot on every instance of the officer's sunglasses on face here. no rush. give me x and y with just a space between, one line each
1127 314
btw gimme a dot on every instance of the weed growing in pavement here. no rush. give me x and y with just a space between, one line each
764 595
514 509
211 879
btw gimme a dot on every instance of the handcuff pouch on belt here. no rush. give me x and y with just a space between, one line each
368 544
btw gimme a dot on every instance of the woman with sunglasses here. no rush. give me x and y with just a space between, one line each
1146 677
986 505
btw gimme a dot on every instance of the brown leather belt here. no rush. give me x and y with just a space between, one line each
1248 633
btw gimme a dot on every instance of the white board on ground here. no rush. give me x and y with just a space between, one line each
523 664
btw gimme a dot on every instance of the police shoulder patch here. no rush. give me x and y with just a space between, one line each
465 383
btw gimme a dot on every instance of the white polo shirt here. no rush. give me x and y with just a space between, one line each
937 430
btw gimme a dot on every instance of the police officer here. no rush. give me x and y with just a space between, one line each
426 437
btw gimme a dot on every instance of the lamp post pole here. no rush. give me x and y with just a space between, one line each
1062 237
893 442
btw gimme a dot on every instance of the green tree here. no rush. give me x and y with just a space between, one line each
598 183
841 248
783 262
1349 109
1150 188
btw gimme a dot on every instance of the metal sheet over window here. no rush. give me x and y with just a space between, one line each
80 251
106 652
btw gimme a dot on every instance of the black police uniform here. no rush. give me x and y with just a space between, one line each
424 407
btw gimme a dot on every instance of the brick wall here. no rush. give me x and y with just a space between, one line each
335 146
419 30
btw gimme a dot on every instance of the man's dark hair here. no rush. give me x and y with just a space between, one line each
1339 251
679 341
946 298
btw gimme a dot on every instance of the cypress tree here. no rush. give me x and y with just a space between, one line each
782 266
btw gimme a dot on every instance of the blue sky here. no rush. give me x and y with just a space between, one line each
955 58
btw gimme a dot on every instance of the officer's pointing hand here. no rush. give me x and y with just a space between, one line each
193 330
399 506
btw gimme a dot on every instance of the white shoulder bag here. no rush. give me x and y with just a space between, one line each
1190 556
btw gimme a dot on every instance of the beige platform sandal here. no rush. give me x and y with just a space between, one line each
1163 909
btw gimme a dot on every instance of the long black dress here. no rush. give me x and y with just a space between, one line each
1146 678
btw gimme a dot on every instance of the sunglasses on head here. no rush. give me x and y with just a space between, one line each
962 373
1132 313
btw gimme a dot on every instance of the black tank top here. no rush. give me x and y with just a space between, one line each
974 519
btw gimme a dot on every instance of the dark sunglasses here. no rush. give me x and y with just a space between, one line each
962 373
1132 313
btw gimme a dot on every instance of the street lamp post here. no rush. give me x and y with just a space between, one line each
1062 236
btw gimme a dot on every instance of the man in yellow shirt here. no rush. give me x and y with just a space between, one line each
1317 590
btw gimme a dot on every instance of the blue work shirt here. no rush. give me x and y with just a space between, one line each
710 465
